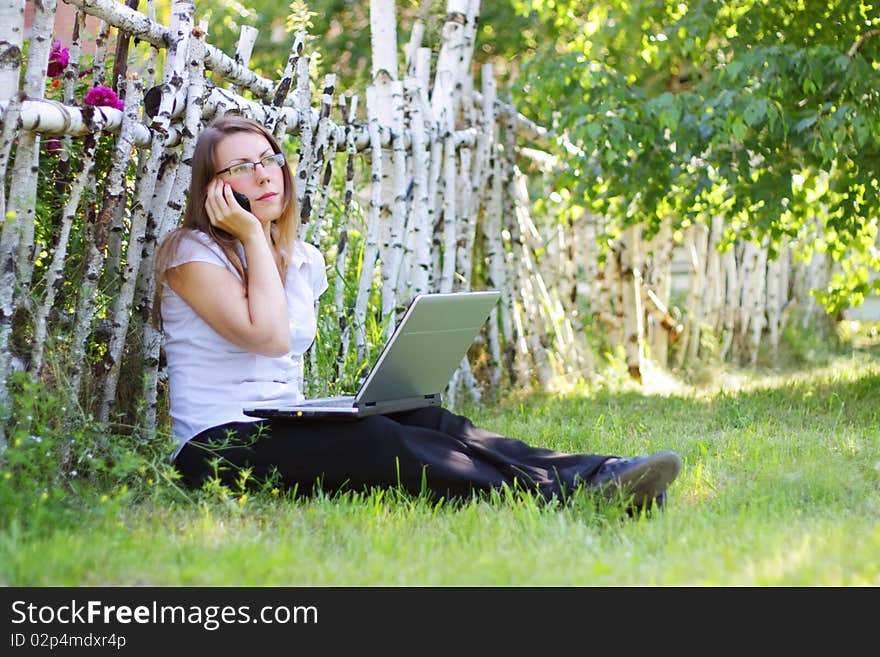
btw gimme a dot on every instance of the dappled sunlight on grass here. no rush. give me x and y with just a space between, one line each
780 486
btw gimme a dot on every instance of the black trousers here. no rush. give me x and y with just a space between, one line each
429 450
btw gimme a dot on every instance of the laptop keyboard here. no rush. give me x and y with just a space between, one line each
329 401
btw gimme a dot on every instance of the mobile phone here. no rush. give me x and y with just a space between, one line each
243 200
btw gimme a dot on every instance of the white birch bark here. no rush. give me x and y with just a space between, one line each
731 302
775 300
554 337
713 295
276 120
590 260
100 57
371 245
97 234
50 117
612 282
436 187
398 185
384 68
169 204
71 75
330 145
467 223
522 361
319 148
698 245
816 275
145 29
415 278
499 328
55 270
247 37
11 41
23 186
303 98
412 48
444 106
175 75
445 94
450 220
633 332
122 304
469 41
746 303
660 284
342 248
759 303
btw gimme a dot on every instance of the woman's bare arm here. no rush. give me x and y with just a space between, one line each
255 318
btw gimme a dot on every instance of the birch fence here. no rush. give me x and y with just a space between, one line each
430 192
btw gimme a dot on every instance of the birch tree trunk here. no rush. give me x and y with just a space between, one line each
633 331
171 204
188 49
610 292
775 299
303 98
384 68
371 245
11 40
97 234
450 175
418 235
23 188
55 271
321 150
659 282
731 302
748 287
759 303
713 295
390 294
342 249
247 37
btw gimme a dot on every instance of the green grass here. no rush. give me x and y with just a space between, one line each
780 486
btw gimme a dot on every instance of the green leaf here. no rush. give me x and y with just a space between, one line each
805 123
755 112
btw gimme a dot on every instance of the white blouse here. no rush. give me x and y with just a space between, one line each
210 378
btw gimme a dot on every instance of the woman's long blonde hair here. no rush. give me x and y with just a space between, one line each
284 230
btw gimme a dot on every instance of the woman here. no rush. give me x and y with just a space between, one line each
236 298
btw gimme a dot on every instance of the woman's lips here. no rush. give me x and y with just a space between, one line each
267 196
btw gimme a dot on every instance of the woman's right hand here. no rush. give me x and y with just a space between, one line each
226 214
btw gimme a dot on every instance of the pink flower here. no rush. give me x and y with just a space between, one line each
53 144
58 59
103 96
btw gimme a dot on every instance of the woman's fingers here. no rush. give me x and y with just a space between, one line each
224 211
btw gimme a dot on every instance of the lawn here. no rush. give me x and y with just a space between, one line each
780 487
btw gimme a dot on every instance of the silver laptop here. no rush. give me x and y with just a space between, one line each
415 365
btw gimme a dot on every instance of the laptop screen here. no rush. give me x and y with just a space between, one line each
428 345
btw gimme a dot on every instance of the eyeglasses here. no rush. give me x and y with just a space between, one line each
247 168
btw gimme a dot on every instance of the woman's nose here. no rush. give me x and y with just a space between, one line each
261 172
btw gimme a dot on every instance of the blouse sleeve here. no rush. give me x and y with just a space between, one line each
197 247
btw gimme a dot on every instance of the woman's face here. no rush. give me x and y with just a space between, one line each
261 178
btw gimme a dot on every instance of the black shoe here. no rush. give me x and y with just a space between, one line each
643 478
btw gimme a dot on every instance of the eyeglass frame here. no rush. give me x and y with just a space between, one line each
251 167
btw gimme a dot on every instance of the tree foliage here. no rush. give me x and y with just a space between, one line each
339 33
763 112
